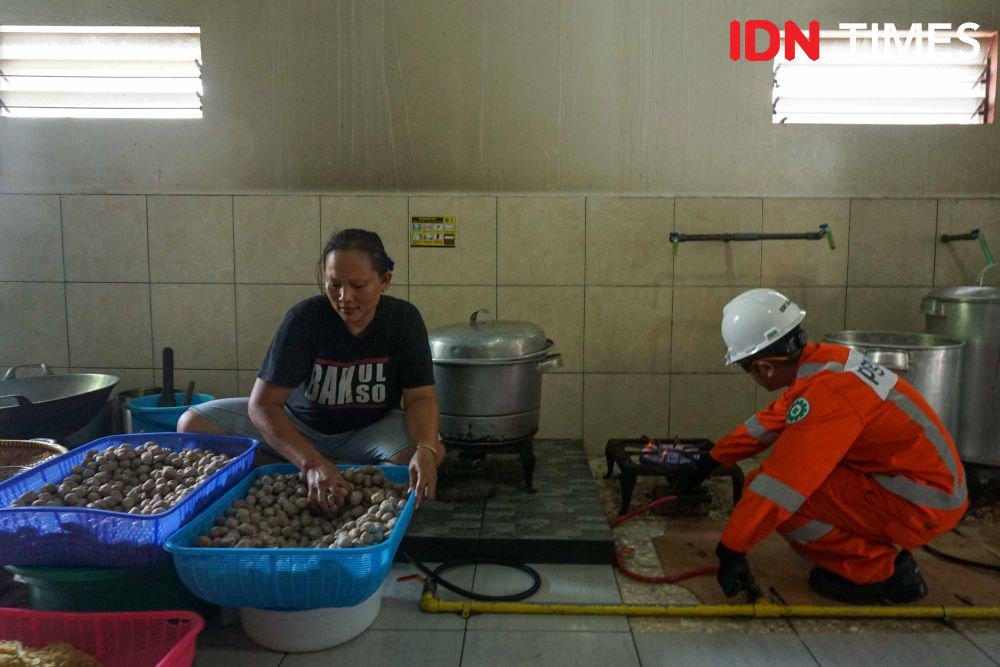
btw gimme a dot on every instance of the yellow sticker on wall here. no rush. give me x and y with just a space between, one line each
432 231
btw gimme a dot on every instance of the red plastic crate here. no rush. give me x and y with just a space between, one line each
116 639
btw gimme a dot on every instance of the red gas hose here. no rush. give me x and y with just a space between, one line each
665 579
618 520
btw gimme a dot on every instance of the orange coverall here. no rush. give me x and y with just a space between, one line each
861 462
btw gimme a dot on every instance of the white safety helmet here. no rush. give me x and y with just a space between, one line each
756 319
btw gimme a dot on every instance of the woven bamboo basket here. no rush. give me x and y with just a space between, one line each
16 456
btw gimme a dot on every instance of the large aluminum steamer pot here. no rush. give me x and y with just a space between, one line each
972 314
488 376
932 364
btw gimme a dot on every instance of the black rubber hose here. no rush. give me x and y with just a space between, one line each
735 474
435 576
960 560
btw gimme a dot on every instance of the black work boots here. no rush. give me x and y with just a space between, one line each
905 584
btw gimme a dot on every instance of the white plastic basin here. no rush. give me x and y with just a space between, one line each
310 629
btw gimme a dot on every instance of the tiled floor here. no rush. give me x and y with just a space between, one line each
403 635
562 522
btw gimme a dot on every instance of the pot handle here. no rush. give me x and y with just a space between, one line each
11 373
21 400
933 307
475 316
894 361
549 363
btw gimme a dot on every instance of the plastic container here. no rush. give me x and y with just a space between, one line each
85 537
283 579
108 589
145 417
312 629
124 639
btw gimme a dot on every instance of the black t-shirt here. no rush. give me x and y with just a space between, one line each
344 382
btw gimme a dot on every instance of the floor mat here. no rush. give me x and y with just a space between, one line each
782 574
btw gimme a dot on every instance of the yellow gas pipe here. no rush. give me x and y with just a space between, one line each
432 604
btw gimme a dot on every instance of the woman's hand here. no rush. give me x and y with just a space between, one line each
327 487
266 409
423 472
420 410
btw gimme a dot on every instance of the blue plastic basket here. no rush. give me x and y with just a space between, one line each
283 579
86 537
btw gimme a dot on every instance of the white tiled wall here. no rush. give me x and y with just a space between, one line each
718 263
191 239
103 282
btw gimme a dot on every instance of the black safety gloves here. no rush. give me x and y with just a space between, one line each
734 573
689 477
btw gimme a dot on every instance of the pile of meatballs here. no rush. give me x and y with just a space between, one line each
150 479
276 514
147 479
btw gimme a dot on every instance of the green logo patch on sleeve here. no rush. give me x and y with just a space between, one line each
798 411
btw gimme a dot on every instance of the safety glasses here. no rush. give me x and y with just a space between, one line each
747 365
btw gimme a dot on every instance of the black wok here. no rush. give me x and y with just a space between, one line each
51 405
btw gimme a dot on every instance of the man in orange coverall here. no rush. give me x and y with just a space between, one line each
861 463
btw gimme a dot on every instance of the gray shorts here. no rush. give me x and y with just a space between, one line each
373 444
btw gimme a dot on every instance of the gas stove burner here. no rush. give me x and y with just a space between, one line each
627 454
524 447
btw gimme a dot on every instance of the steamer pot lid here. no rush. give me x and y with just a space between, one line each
482 338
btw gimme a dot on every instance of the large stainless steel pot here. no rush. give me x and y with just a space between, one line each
50 405
488 376
972 314
932 364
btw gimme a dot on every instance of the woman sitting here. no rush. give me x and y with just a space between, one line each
331 384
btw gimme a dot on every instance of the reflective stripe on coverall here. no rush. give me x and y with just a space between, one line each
861 462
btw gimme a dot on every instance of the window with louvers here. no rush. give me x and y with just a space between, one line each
100 72
888 85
